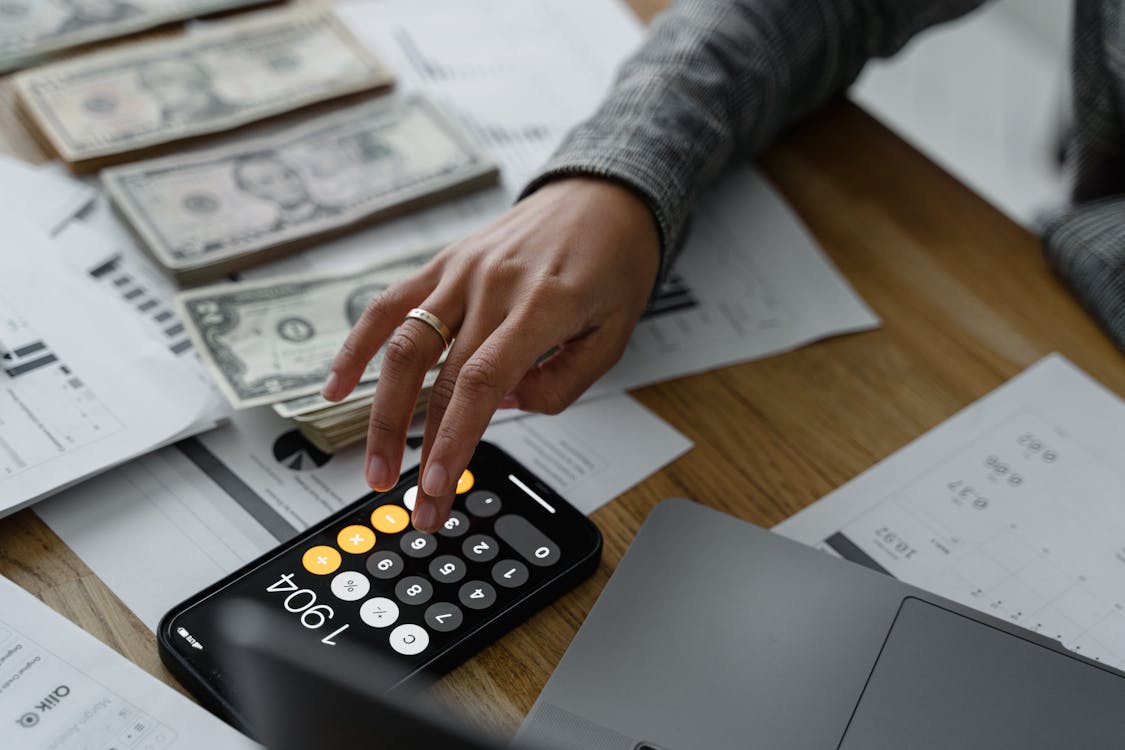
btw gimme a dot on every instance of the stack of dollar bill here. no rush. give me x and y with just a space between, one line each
128 101
272 342
32 29
205 214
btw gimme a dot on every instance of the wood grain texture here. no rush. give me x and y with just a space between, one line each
967 302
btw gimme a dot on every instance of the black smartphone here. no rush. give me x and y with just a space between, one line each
364 580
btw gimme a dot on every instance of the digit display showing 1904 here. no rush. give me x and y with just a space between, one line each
302 603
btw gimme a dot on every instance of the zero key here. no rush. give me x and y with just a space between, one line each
529 541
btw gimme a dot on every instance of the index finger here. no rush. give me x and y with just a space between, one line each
379 319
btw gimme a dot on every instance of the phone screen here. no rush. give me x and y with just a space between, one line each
364 579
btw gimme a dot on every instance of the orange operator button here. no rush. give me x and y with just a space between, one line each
321 560
355 539
390 519
465 483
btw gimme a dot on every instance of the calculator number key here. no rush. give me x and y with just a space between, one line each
385 565
480 548
409 640
418 544
477 595
444 617
510 573
447 569
455 526
532 544
414 590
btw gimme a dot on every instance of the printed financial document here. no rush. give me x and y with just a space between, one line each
82 387
62 689
170 523
750 282
1014 506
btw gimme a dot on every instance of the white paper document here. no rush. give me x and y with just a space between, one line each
44 196
100 250
82 387
751 281
62 689
986 98
170 523
1014 506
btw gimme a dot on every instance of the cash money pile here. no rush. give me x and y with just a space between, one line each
206 214
34 29
209 212
127 101
273 342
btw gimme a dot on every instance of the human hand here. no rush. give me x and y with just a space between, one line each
571 266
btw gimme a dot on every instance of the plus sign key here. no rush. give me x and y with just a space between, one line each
321 560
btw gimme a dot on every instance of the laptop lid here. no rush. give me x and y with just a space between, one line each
713 633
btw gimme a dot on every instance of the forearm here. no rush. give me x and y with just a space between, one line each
716 77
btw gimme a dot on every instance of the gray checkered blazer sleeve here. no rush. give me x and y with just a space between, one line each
717 79
720 78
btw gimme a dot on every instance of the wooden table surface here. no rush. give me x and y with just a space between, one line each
967 301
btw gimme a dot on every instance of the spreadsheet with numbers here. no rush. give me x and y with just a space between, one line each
1014 506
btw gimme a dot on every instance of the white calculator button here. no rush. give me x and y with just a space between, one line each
409 640
350 586
409 497
378 612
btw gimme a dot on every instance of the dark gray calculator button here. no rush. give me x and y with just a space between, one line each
529 541
444 617
480 548
414 590
456 526
483 503
447 569
477 595
418 544
510 573
385 565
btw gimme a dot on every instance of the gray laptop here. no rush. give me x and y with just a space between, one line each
713 633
